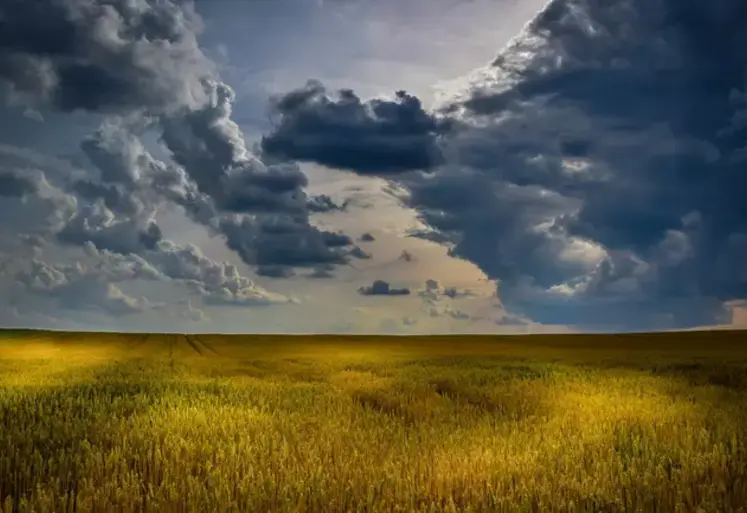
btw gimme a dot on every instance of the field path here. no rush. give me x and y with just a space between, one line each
192 343
173 344
205 345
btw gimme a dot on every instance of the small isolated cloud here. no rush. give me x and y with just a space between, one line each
455 293
406 256
322 272
430 236
434 290
324 203
357 252
431 285
458 314
440 310
437 301
382 288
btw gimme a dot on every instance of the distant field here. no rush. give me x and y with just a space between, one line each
161 423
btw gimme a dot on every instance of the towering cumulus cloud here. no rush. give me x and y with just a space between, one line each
595 169
137 64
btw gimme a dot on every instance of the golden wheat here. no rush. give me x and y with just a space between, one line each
206 423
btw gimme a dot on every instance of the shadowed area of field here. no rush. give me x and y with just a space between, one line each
173 422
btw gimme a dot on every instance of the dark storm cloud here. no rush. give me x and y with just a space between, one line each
372 137
595 168
15 186
282 242
210 147
654 187
101 56
115 198
382 288
611 130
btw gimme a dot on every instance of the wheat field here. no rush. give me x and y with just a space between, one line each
184 423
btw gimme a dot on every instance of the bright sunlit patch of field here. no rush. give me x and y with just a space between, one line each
108 422
40 359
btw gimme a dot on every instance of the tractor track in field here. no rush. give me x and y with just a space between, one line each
204 344
193 344
200 346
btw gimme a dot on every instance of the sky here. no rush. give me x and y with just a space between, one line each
350 166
